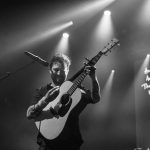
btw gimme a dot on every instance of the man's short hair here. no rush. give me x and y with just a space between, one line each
61 58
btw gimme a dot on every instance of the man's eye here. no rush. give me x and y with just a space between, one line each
55 69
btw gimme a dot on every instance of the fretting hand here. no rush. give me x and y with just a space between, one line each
91 70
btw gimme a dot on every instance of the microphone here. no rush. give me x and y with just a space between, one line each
37 58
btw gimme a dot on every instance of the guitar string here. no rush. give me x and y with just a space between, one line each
77 82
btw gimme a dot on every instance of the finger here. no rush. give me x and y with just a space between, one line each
54 88
87 67
90 68
93 68
55 92
51 90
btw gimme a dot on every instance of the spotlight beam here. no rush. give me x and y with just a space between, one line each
63 44
44 34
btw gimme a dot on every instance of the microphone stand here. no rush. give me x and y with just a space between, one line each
12 73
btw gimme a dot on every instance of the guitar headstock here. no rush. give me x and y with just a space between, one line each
110 45
106 49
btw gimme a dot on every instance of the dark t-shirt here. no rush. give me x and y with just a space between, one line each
70 136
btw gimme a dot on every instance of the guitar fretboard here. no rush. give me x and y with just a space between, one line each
77 82
91 62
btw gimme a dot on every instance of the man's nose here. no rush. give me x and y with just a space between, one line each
58 72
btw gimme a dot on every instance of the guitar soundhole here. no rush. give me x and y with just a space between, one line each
65 99
66 102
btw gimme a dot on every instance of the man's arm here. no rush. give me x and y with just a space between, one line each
95 89
35 110
95 94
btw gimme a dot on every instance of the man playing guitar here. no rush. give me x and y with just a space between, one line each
45 110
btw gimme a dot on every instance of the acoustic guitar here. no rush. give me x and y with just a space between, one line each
69 95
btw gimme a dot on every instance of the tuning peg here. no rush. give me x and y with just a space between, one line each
84 63
118 44
87 59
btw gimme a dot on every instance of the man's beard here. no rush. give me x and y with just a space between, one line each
58 80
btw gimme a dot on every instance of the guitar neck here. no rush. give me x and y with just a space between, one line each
92 62
81 74
77 82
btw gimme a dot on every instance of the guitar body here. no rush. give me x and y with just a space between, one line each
51 127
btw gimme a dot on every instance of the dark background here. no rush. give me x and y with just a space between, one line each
110 124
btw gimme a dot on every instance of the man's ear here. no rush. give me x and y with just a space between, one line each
66 71
50 71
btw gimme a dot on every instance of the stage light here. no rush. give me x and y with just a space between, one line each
65 35
148 55
104 31
107 13
144 12
113 71
63 44
71 22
